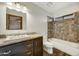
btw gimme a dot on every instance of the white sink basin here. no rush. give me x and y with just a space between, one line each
18 37
13 38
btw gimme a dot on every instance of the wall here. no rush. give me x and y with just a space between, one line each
37 22
2 17
66 30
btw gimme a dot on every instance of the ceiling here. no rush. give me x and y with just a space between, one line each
52 7
55 6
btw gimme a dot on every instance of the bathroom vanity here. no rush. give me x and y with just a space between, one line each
21 44
31 46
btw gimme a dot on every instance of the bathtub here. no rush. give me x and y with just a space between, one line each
65 46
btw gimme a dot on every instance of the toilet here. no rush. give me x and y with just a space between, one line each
48 46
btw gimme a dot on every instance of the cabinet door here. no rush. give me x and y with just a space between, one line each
14 49
17 49
57 52
38 46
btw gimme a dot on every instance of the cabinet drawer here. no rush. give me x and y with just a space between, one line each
12 49
28 42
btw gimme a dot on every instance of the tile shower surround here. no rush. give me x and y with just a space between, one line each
67 29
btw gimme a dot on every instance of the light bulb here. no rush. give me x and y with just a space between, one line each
24 8
9 3
18 5
9 7
23 11
17 9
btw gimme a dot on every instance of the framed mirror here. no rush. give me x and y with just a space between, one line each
13 22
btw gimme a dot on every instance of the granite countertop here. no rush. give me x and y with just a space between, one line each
16 39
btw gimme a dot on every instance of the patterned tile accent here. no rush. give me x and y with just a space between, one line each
65 30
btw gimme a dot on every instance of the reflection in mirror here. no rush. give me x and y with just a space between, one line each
13 22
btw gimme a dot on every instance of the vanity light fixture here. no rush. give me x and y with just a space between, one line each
23 11
9 3
24 8
10 7
17 7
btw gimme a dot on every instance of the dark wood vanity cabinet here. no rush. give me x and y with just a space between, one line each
57 52
38 46
32 47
